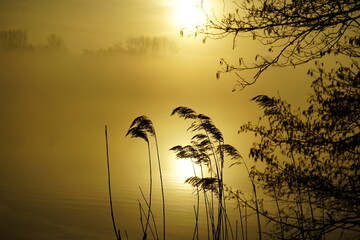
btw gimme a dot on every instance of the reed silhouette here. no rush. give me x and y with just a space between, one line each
141 127
208 151
117 232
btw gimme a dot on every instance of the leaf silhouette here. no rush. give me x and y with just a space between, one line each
185 152
209 127
185 112
176 148
203 117
143 122
206 183
264 101
202 158
137 133
269 104
229 151
140 127
199 137
204 145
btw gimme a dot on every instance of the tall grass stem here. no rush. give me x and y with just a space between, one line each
162 188
117 234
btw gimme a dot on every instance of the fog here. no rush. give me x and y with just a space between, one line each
54 106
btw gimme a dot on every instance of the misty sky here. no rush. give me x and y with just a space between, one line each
89 24
57 101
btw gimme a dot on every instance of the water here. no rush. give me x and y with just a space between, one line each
80 209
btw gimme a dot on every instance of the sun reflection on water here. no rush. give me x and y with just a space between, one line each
183 169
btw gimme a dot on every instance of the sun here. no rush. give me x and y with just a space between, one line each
188 13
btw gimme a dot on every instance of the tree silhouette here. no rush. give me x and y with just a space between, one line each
312 158
295 32
13 39
140 46
55 43
150 45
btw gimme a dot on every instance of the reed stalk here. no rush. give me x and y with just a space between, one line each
141 127
197 209
161 186
117 233
241 219
152 214
279 212
142 211
246 223
150 191
206 202
257 210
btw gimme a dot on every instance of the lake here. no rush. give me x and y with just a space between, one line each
38 207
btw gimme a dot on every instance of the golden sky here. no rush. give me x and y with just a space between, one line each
92 23
54 101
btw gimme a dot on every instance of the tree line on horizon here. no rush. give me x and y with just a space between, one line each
17 40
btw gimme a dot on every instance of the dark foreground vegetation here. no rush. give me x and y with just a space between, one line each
309 157
306 160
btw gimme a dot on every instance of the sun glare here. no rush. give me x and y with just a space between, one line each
183 168
188 13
